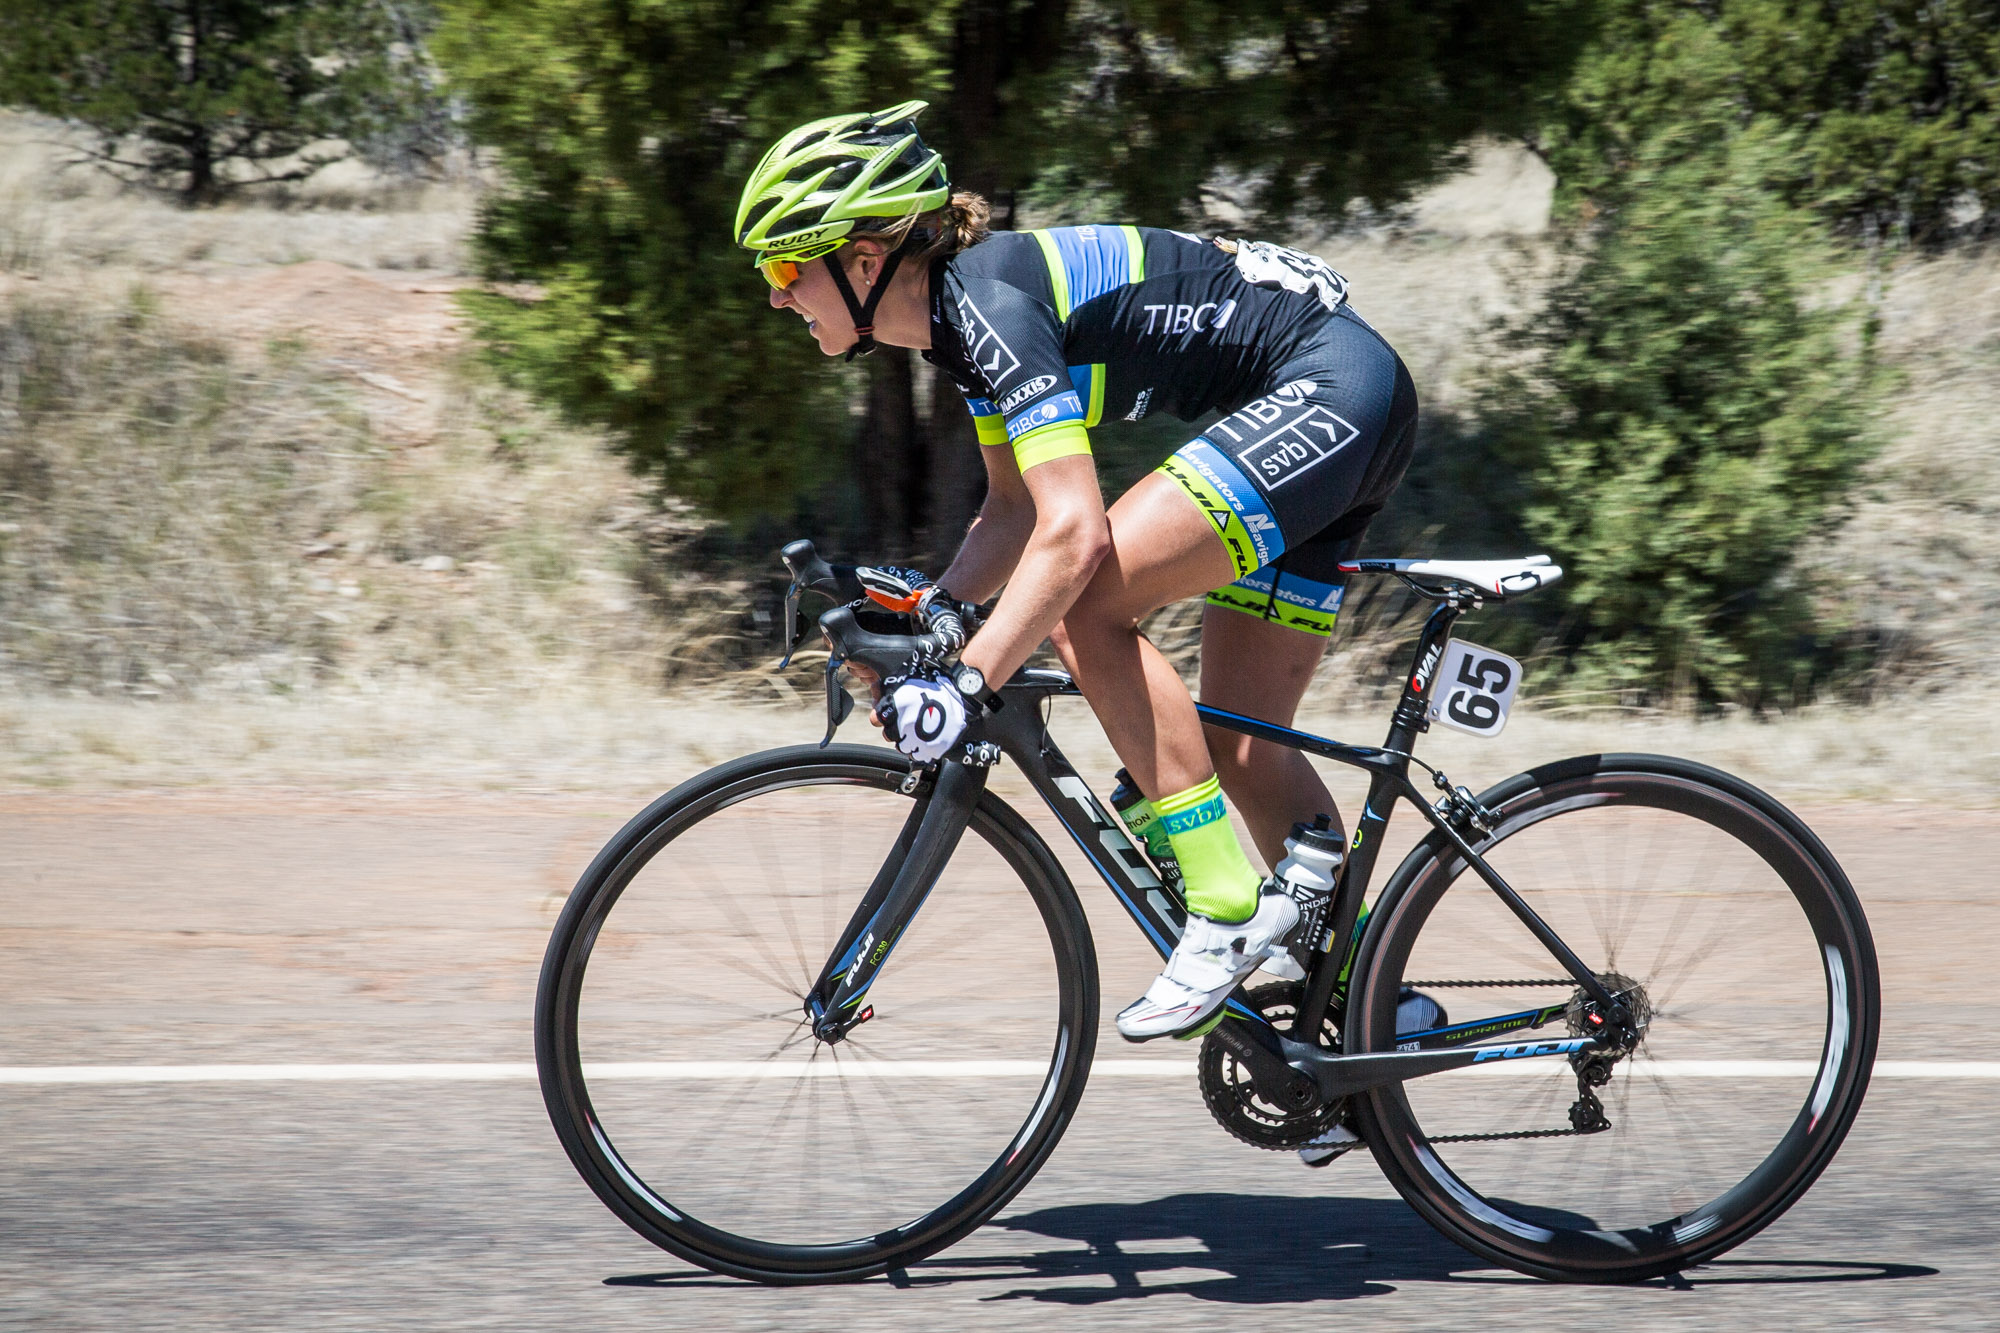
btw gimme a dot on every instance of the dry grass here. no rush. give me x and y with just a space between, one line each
176 518
1919 563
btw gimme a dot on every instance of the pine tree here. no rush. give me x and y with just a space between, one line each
200 97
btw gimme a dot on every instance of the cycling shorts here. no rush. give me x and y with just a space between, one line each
1293 478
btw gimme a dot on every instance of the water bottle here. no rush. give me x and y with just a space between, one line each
1309 871
1149 831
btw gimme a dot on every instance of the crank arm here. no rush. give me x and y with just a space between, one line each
1270 1058
1345 1075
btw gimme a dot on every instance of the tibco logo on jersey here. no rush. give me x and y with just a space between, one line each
1042 413
1021 395
1172 319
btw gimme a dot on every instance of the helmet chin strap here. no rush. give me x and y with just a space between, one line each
863 312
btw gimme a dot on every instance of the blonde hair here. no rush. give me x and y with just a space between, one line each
959 225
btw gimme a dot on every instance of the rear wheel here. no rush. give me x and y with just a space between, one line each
1736 941
686 1085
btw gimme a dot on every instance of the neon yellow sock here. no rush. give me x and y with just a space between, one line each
1220 882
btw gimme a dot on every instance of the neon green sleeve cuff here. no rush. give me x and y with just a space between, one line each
1050 442
992 430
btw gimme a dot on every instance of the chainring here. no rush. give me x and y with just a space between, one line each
1232 1098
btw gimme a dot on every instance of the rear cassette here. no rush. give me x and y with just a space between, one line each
1232 1099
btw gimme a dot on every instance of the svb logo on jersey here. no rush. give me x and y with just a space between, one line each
988 350
1285 440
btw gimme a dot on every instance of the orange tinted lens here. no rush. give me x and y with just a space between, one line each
780 273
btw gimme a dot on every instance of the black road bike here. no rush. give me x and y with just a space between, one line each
796 1025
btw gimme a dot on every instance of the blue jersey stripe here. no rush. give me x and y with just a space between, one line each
1095 260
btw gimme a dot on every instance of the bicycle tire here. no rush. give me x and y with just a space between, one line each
648 1205
1497 1208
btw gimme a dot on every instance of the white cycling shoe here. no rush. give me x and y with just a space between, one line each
1415 1012
1205 966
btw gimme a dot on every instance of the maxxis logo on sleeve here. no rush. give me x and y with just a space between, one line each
1039 384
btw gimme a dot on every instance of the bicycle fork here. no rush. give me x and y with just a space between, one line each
929 836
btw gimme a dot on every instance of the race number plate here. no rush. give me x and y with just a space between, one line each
1475 689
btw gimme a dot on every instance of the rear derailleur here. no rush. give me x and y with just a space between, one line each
1618 1032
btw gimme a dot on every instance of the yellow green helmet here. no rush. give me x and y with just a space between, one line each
819 180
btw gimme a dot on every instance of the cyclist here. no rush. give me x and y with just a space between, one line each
1048 334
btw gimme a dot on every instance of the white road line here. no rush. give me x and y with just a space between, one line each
711 1070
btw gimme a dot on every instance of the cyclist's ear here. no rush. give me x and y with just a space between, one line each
866 266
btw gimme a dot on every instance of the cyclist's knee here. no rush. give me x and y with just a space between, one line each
1103 607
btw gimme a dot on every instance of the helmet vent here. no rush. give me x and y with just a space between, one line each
795 222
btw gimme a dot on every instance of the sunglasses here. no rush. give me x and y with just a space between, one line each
782 273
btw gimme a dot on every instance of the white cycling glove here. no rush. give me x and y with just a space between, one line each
923 717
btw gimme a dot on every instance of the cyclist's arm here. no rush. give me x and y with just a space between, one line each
1069 538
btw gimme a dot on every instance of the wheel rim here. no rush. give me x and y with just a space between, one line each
725 1128
1726 1109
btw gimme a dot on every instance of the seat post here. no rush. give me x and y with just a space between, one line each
1410 719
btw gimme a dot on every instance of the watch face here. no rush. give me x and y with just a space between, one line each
970 681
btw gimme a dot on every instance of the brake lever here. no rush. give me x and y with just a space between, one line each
795 623
839 703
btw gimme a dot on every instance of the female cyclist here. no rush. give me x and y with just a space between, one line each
1049 333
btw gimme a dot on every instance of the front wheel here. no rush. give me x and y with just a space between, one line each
686 1085
1741 951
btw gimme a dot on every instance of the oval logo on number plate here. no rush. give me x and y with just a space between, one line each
1474 689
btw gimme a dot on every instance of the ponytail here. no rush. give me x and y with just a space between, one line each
958 226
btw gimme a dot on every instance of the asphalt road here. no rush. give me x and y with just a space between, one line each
192 929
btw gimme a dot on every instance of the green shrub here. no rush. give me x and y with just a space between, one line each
1691 410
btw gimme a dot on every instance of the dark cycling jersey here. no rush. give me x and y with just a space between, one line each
1069 327
1049 333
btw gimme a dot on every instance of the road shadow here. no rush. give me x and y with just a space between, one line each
1252 1249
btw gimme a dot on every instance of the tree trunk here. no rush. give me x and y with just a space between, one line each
957 476
892 463
202 185
923 481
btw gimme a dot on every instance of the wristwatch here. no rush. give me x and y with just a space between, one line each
971 683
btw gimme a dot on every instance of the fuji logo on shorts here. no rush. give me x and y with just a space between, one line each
1021 395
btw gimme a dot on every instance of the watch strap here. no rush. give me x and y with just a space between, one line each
986 697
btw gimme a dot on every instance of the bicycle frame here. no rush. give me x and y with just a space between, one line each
1281 1067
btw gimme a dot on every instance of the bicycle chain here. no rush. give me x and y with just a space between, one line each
1262 1140
1508 1134
1502 1135
1473 985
